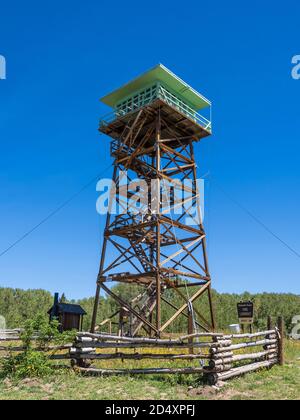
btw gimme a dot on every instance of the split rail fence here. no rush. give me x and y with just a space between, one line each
217 357
10 343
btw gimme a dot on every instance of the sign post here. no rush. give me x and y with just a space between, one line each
246 314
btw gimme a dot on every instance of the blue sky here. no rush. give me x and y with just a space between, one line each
63 56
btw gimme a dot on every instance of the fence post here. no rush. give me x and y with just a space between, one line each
270 323
281 341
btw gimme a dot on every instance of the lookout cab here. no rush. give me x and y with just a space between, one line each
180 106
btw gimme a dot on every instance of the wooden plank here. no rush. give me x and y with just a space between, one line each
281 341
156 371
243 346
140 356
255 335
214 378
241 357
105 337
113 345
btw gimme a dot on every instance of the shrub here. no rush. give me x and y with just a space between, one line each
35 358
27 364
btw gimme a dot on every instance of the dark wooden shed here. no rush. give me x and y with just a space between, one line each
70 316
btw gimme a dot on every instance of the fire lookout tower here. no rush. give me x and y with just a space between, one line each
162 247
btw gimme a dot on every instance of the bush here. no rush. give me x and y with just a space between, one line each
27 365
35 359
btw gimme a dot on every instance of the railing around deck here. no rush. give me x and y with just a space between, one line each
182 107
167 97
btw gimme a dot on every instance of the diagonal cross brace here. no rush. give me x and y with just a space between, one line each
127 306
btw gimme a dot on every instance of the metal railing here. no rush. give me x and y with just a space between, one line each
171 100
181 106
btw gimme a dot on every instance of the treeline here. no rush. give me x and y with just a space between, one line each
17 305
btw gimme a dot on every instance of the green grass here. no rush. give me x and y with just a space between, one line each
277 383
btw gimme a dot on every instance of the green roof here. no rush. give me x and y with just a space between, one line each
161 74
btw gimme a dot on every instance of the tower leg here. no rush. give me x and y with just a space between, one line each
158 227
95 311
204 244
212 310
98 289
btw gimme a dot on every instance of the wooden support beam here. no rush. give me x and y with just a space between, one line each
158 229
142 356
185 306
127 306
159 371
281 341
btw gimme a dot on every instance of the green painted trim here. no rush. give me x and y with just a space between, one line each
132 94
162 75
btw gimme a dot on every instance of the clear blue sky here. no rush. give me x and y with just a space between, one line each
62 56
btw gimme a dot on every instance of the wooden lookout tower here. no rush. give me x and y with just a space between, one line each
161 248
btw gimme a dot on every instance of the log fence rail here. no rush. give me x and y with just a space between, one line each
216 356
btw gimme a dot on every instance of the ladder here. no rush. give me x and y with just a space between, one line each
148 304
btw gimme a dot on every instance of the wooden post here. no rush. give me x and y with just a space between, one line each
102 261
120 329
270 323
204 243
212 310
96 304
151 321
81 323
281 341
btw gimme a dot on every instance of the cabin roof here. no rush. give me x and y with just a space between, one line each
159 73
68 308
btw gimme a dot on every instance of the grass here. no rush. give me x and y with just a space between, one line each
277 383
